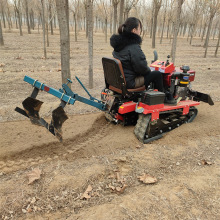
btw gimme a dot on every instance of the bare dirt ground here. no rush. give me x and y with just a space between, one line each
106 157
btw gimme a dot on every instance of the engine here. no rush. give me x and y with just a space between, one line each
176 80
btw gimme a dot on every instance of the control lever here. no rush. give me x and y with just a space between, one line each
167 63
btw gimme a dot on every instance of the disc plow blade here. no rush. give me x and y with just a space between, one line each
32 107
58 118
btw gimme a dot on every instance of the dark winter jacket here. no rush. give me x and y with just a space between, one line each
127 49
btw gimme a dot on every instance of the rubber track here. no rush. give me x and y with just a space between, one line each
68 152
141 126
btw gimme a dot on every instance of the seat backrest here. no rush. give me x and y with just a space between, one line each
114 74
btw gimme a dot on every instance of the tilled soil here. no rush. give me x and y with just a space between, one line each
100 154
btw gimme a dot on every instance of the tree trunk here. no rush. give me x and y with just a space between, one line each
90 41
110 25
126 14
19 22
164 19
27 17
54 21
32 19
214 32
152 21
176 29
168 28
38 27
217 46
3 15
204 31
122 3
208 31
157 5
44 31
63 18
47 30
106 30
184 29
192 34
9 16
154 31
86 24
75 22
206 45
51 19
16 19
115 15
1 35
189 32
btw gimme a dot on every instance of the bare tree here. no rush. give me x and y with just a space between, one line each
170 16
152 20
157 5
195 12
43 26
27 16
122 4
90 41
50 17
17 7
217 46
115 14
3 14
9 16
1 35
86 17
164 19
32 20
176 29
62 7
75 9
214 6
128 6
104 9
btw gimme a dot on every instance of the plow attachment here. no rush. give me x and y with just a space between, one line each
32 106
198 96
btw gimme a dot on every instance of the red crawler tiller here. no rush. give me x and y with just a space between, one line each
142 107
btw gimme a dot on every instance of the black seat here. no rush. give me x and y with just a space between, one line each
115 78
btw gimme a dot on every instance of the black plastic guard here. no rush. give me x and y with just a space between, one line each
198 96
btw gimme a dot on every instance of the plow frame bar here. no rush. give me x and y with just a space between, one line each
66 94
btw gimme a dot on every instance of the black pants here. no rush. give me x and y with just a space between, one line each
156 78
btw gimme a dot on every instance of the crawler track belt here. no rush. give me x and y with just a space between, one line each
147 130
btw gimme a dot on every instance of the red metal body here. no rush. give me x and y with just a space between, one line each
160 65
169 70
155 110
